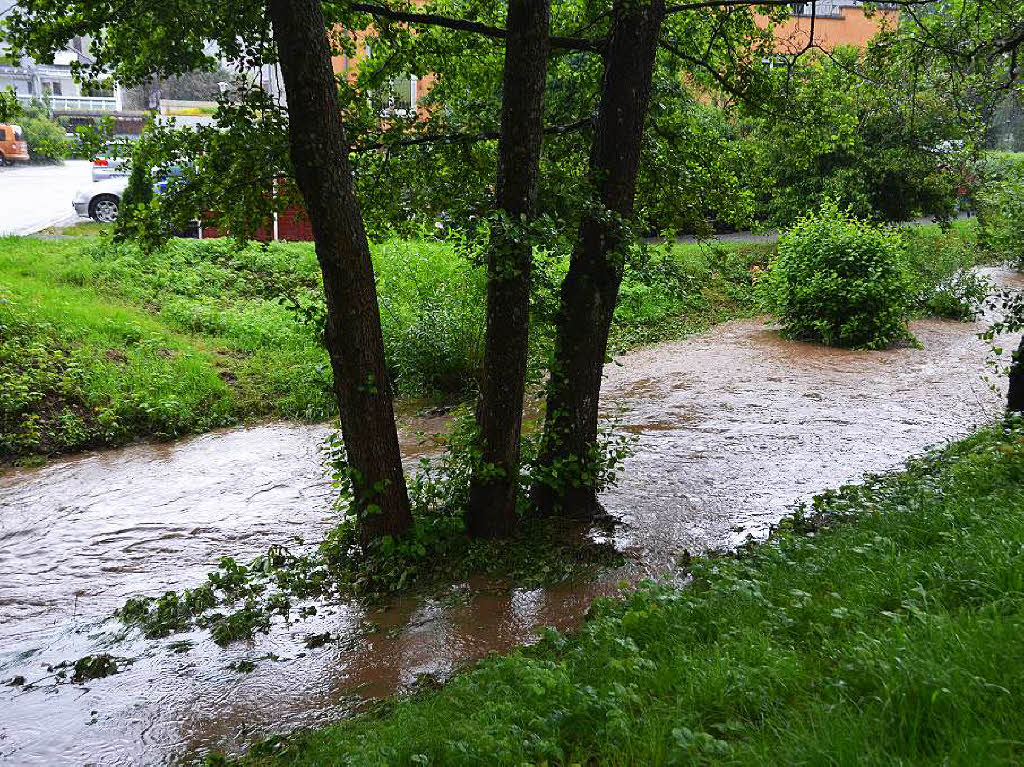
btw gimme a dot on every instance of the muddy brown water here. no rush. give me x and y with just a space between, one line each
733 427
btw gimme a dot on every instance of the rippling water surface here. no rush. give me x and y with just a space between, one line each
733 426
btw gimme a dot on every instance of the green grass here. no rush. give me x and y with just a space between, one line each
102 343
882 626
80 229
682 289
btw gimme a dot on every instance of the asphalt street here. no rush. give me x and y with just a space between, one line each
33 197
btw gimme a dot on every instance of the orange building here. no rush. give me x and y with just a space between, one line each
406 91
835 23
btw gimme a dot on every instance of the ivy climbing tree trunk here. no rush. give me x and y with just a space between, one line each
495 481
568 457
319 152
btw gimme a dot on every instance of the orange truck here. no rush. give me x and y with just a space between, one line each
12 145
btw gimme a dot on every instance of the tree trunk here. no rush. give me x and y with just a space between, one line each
319 152
591 287
1015 395
495 481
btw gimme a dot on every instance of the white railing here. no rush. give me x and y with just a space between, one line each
72 103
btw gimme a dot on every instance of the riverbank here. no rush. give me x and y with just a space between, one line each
882 624
733 426
104 345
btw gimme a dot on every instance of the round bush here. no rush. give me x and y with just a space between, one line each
840 281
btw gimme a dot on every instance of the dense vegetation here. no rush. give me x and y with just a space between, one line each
1001 205
843 281
854 129
103 343
47 142
880 625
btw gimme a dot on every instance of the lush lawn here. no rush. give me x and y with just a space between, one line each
886 626
101 343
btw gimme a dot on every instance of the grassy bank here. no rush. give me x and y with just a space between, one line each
884 627
102 344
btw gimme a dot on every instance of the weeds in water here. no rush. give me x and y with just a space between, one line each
942 265
433 554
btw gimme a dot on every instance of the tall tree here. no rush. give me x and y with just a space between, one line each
569 448
495 482
131 40
319 152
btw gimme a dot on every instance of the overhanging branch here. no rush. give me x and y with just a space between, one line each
469 138
473 27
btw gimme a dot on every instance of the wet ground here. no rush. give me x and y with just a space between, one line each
733 427
36 196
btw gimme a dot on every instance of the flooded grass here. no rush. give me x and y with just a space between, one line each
882 625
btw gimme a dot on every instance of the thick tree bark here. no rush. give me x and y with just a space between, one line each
319 152
1015 394
591 287
495 482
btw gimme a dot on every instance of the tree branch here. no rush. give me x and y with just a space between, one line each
469 138
474 27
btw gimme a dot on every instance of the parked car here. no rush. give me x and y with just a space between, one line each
13 147
107 165
101 201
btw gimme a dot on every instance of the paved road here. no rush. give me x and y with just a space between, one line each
750 238
33 197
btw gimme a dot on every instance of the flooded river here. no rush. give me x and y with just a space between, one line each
733 426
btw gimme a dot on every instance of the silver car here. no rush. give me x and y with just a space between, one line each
108 165
102 200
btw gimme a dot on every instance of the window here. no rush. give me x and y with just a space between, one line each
403 92
3 134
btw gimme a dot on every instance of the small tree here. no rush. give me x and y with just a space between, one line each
856 130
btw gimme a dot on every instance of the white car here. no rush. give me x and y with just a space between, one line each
110 163
102 200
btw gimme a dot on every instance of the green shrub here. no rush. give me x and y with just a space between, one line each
1001 210
47 142
841 281
941 264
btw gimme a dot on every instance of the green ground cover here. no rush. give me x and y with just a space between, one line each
101 343
882 625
